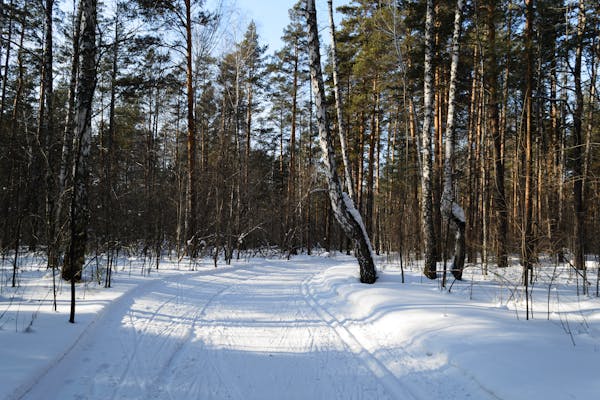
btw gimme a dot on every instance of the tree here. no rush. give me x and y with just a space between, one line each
65 172
452 213
578 146
83 133
342 205
181 16
338 105
429 269
491 85
289 67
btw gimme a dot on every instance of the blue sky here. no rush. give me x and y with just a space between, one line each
271 16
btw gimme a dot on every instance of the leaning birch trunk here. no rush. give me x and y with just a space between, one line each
83 134
453 214
429 269
341 204
338 105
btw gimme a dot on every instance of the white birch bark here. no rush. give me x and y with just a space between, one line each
429 269
342 205
338 105
452 213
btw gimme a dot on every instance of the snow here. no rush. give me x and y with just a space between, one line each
458 213
298 329
357 217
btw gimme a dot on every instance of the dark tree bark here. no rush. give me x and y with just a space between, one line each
491 84
342 205
527 238
83 134
46 134
192 173
578 147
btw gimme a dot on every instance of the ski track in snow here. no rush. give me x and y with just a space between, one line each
300 329
458 383
249 332
230 334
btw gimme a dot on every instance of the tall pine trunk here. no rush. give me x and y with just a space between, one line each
491 84
192 173
342 205
46 133
578 147
527 238
64 175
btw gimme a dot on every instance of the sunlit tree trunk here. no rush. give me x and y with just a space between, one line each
453 214
429 269
342 205
338 106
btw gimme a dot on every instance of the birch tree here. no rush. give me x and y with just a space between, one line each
452 213
429 269
342 205
338 105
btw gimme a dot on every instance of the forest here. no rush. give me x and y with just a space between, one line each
461 131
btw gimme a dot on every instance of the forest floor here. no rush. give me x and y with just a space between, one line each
298 329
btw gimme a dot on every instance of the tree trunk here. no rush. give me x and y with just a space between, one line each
578 147
64 175
338 106
192 174
8 44
453 214
290 220
85 94
429 269
45 133
15 192
491 84
341 204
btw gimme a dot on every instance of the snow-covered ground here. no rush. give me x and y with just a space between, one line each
298 329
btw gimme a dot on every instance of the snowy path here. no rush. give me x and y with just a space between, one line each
231 334
298 329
